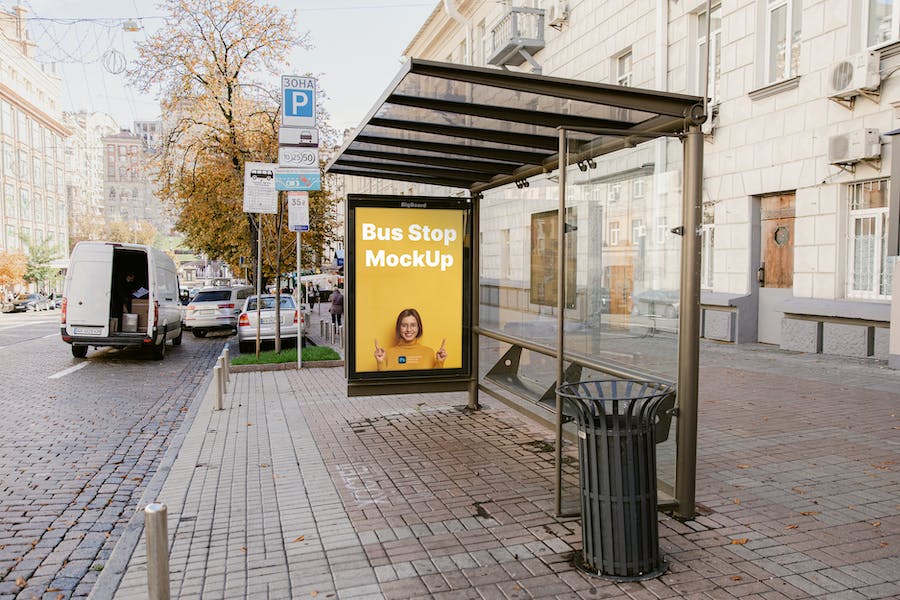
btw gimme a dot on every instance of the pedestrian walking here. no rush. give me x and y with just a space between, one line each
337 307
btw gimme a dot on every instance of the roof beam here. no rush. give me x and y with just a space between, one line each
395 176
505 113
664 103
515 156
454 163
448 174
526 140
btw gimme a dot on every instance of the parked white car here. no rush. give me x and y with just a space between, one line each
291 318
215 308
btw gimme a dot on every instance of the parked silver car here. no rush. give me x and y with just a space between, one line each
215 308
291 317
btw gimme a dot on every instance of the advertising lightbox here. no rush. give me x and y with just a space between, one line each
408 277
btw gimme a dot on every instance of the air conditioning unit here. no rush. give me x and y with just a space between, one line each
853 147
557 13
855 74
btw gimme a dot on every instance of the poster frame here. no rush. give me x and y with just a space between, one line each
397 382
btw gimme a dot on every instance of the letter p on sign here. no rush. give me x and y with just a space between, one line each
298 103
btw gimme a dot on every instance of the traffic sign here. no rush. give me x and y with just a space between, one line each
298 180
298 106
298 211
298 157
298 136
260 193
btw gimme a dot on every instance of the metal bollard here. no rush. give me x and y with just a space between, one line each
341 336
156 528
322 329
217 375
220 362
226 362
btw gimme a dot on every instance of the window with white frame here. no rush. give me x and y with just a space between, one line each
882 21
782 39
715 52
623 69
637 230
662 227
869 267
638 188
614 193
613 233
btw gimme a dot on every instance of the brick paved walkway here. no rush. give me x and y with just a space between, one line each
296 491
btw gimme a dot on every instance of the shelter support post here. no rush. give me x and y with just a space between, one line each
560 315
475 301
689 327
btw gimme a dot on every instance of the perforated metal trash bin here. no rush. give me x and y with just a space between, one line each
617 457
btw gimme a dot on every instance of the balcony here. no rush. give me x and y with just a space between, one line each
516 37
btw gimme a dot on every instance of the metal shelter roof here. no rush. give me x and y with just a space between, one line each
479 128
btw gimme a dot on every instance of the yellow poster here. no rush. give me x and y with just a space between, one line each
408 289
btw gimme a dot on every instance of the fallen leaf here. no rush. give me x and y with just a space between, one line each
797 490
264 465
809 513
743 466
737 500
20 581
792 527
884 544
737 578
107 535
249 424
740 541
300 539
60 596
876 524
243 548
314 593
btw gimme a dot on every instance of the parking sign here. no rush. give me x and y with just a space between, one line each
298 96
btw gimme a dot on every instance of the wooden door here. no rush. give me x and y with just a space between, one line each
621 284
776 272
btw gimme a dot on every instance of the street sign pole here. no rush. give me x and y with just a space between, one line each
302 318
258 280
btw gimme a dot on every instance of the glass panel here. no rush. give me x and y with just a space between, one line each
863 253
879 27
622 309
443 139
887 262
777 42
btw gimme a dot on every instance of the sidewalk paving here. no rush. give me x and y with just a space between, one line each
295 490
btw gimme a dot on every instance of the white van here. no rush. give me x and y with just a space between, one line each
120 295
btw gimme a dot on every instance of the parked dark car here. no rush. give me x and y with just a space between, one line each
661 303
26 302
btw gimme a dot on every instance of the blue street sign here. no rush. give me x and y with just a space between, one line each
298 181
298 106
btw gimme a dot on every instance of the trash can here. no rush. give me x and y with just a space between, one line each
617 456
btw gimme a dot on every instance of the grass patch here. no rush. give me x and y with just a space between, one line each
287 355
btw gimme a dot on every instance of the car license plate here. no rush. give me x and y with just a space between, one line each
87 330
270 321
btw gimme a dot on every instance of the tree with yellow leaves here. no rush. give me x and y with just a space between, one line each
214 62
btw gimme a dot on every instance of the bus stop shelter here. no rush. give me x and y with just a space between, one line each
476 129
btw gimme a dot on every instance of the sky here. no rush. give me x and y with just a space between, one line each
357 50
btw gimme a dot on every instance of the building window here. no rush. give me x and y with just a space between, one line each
25 205
614 233
638 230
869 267
882 20
661 229
782 39
23 166
9 160
623 69
715 52
38 209
12 240
9 199
614 194
638 188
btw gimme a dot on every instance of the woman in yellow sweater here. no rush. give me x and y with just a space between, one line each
409 353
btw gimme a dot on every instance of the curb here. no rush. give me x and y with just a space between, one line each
309 364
